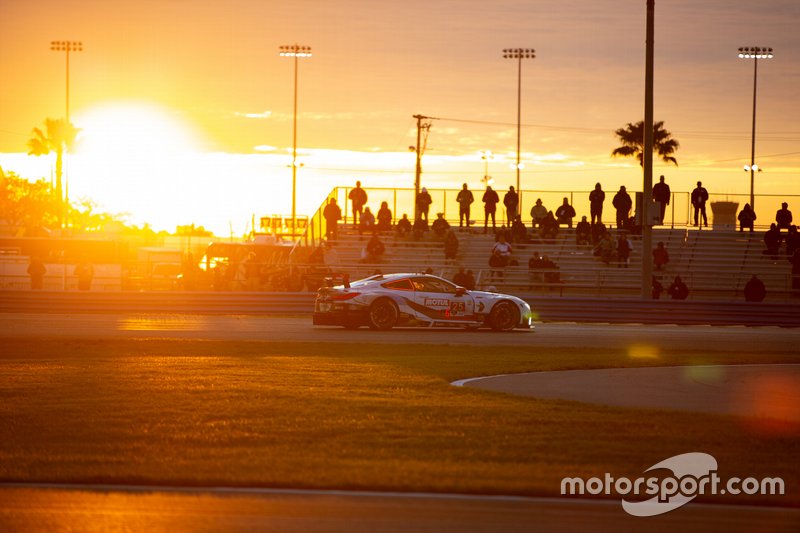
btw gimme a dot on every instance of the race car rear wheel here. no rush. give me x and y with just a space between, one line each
383 314
504 316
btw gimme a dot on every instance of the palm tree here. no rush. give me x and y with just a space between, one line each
632 138
58 136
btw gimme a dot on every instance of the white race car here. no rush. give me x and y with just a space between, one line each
385 301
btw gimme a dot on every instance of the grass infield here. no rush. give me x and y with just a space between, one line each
349 416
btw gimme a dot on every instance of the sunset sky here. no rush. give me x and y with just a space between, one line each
186 106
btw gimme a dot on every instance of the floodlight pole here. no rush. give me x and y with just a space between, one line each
755 53
295 51
519 54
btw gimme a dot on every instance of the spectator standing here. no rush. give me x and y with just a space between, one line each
384 217
622 203
772 241
660 256
624 249
36 271
464 200
332 214
538 213
661 194
424 202
783 218
583 232
358 198
699 199
746 218
511 201
678 289
565 213
754 290
596 199
490 201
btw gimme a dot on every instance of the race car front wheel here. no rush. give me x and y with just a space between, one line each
504 316
383 314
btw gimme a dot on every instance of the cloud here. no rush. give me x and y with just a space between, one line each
265 114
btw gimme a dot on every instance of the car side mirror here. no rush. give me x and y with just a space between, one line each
460 291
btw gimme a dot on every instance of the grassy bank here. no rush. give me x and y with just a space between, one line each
345 416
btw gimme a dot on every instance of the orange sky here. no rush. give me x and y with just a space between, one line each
207 75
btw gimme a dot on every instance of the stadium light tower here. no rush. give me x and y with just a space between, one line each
295 51
66 46
755 53
519 54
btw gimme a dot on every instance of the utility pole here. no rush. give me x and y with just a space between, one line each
647 161
426 126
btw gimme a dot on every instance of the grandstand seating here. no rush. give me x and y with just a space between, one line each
714 263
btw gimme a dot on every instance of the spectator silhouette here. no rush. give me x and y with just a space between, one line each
754 290
419 229
624 249
367 221
500 256
538 213
678 289
464 200
85 273
490 200
661 194
565 213
440 225
783 218
358 198
464 279
424 202
622 203
792 240
36 271
596 199
794 259
519 233
657 288
699 199
403 226
373 251
746 217
660 256
605 248
549 227
511 201
384 217
772 241
332 214
583 232
450 245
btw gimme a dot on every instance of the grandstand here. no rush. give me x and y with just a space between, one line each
714 263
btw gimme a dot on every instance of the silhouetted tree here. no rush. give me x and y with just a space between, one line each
57 137
632 139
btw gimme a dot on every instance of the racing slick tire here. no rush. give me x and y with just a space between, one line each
504 316
383 314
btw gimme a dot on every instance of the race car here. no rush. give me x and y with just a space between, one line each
384 301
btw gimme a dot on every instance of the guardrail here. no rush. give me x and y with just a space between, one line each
547 309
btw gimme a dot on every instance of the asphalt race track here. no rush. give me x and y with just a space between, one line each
294 329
